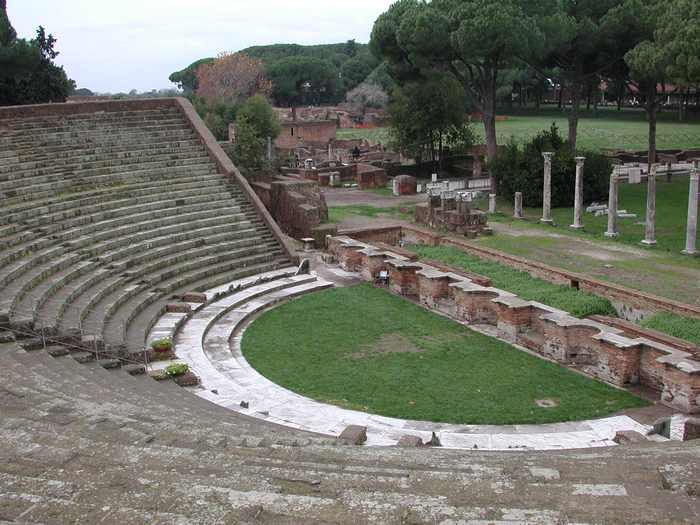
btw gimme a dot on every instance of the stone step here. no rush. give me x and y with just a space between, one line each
66 294
35 298
80 237
141 320
32 177
49 202
151 272
215 271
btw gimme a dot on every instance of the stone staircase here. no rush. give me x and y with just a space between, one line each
82 444
112 211
109 215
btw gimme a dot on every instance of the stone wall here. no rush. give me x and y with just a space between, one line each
314 133
297 205
597 349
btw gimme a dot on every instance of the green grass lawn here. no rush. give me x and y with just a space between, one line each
575 302
340 213
366 349
607 129
683 327
671 215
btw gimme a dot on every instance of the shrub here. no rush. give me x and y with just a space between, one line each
177 369
162 345
522 170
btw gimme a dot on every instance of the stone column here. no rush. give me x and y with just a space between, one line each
612 207
578 195
518 210
650 232
547 193
269 148
492 203
692 232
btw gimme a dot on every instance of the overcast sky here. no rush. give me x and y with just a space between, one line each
109 45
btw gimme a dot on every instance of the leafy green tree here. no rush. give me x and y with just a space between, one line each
472 40
28 74
355 70
427 115
7 32
255 123
259 114
579 45
303 80
186 79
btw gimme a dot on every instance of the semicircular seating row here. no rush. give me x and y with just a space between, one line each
209 339
107 215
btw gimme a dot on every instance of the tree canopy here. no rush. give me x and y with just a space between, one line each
303 80
28 74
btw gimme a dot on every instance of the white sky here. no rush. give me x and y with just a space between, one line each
118 45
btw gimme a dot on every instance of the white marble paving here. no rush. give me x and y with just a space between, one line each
210 343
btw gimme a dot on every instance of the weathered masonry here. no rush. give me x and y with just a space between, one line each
597 349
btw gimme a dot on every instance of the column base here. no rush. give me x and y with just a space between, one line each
576 227
547 221
518 217
694 253
648 243
611 235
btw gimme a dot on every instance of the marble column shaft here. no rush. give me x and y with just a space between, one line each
578 195
692 231
612 206
518 209
547 191
650 230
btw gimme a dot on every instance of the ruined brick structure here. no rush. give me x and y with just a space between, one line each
449 211
597 349
296 205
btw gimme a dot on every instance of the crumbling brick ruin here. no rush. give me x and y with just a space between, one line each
452 211
595 348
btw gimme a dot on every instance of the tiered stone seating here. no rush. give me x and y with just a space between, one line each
108 214
86 445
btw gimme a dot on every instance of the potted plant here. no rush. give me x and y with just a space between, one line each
162 348
181 374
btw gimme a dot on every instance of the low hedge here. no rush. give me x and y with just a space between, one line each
522 170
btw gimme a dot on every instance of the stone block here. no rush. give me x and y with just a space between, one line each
409 441
353 435
178 308
691 429
662 427
194 297
626 437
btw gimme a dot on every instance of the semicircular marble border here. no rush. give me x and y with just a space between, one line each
229 380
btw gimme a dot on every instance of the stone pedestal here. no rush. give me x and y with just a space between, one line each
650 231
578 195
692 231
612 207
518 208
492 203
547 190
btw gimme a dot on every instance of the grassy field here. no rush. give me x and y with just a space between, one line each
675 325
608 129
366 349
573 301
671 215
340 213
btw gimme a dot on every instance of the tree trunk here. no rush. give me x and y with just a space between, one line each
573 118
561 96
652 117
